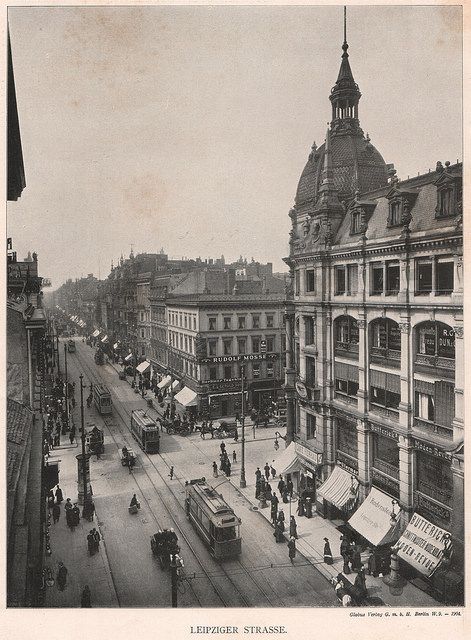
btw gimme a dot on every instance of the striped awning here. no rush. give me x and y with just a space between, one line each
287 461
142 368
164 383
116 345
187 397
104 339
345 371
128 357
95 334
383 380
339 488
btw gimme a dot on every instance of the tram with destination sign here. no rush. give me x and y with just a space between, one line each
213 519
102 399
146 431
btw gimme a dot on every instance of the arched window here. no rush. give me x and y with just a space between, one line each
385 339
435 339
346 333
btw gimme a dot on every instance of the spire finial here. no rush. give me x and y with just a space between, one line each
345 45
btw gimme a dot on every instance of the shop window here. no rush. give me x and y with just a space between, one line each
392 278
227 346
241 345
255 345
212 324
385 450
255 322
270 340
384 398
241 322
228 372
346 331
347 387
434 477
377 279
436 339
339 281
385 334
347 440
270 321
255 370
310 426
423 276
213 373
445 277
310 280
227 322
270 370
310 372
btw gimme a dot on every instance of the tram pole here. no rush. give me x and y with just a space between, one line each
57 353
66 386
82 435
173 567
242 482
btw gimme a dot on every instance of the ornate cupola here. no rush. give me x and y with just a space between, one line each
345 95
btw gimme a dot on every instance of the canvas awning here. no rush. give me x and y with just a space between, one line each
164 383
187 397
128 357
422 545
142 368
175 384
95 334
372 519
116 345
104 339
287 461
339 488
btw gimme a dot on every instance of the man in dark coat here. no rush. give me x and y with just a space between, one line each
274 508
56 513
267 471
345 553
59 495
75 516
292 549
62 576
289 486
281 485
86 597
91 544
360 582
293 528
258 474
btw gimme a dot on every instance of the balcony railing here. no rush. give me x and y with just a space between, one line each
386 412
430 428
348 349
435 361
387 468
389 357
352 400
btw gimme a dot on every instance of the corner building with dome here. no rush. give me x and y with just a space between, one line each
374 319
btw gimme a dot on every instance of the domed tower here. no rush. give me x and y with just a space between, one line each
356 164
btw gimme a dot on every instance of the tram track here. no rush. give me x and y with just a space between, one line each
225 600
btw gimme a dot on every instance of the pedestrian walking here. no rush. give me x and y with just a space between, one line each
273 471
292 549
266 468
285 495
234 457
236 435
258 485
360 582
281 521
56 513
50 499
86 598
344 552
289 486
223 447
62 576
75 517
71 436
228 467
328 559
293 528
91 544
171 473
300 509
258 474
281 486
356 559
96 538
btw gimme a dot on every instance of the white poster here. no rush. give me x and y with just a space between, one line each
422 544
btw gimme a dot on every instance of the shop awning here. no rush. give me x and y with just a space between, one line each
187 397
164 383
142 368
372 519
287 461
339 488
128 357
95 334
116 345
422 545
104 339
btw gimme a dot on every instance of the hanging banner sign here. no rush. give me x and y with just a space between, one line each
422 544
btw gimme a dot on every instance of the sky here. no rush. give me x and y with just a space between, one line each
188 128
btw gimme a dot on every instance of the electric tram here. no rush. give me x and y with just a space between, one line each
102 398
146 431
213 519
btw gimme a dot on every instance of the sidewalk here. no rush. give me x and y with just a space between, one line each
70 547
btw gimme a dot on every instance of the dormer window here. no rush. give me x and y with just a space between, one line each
356 226
395 213
449 194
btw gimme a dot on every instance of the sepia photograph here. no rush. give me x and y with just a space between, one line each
234 328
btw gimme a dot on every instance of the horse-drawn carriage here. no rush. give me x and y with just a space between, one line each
351 595
164 544
224 430
177 427
127 457
95 441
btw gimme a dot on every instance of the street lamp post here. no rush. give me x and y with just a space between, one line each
66 386
243 482
83 458
57 352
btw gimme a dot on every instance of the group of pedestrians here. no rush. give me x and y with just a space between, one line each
225 463
57 419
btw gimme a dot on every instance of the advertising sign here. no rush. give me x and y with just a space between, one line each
422 544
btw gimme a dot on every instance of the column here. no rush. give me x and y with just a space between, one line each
329 444
458 420
362 365
402 296
457 523
406 375
457 295
406 478
363 458
290 379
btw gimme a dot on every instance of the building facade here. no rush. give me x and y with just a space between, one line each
375 325
212 336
